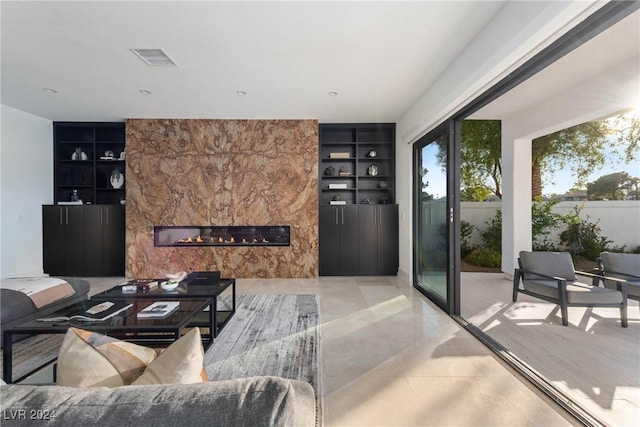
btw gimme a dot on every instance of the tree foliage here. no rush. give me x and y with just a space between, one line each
614 186
583 148
480 159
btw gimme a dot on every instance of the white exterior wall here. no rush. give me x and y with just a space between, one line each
619 220
26 183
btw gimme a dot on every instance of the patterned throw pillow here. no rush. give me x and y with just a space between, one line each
181 363
90 359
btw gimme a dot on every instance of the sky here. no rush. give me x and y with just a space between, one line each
564 179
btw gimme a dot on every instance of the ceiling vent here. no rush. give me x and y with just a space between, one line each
154 57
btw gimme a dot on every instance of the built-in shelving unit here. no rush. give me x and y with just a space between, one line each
81 162
358 230
360 160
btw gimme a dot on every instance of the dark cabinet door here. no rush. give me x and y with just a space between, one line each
104 240
74 240
62 240
338 240
329 241
114 240
388 239
53 245
94 240
378 239
348 218
368 239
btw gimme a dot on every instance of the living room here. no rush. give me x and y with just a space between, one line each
274 127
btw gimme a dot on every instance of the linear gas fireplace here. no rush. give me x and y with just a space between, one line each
233 235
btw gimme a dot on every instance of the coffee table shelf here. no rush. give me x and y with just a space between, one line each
196 285
127 326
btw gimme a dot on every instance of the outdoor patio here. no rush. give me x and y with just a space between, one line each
594 360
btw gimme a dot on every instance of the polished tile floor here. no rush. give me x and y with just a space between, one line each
389 357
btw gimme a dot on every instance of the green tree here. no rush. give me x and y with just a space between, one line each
582 147
480 159
613 186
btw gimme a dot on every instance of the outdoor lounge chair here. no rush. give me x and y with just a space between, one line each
621 266
551 276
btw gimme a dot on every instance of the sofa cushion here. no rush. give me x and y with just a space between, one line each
257 401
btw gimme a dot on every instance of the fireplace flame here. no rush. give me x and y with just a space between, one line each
200 239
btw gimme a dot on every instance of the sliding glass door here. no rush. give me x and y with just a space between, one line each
434 242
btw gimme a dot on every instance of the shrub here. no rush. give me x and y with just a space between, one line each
485 257
582 237
492 236
466 231
543 222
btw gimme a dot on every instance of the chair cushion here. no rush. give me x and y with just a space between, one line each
633 287
556 264
577 293
618 264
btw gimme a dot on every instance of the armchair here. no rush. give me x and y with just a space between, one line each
621 266
551 276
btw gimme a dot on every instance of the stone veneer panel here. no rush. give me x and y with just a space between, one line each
222 172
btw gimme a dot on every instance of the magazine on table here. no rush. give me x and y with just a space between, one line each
98 313
159 309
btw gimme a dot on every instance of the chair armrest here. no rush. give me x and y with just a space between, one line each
633 276
559 279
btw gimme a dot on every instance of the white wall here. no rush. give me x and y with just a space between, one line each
519 31
619 220
26 183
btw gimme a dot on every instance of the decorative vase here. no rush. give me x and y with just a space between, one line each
78 154
372 170
117 179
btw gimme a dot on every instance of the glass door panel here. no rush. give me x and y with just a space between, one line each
432 219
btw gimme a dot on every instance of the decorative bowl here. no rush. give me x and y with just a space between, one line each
169 285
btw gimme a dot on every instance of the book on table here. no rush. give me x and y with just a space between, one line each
159 309
139 285
98 313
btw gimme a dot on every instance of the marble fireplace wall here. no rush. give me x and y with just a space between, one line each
222 172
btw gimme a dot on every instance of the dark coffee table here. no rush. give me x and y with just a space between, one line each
149 332
202 284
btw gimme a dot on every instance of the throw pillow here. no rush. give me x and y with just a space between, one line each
90 359
181 363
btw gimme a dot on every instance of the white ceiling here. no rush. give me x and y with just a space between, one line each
379 56
606 51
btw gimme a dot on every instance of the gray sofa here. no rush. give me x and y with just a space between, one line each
257 401
17 308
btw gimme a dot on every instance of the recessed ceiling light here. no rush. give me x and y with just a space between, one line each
48 89
154 57
332 93
241 92
145 92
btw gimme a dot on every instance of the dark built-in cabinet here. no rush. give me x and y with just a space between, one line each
86 239
358 227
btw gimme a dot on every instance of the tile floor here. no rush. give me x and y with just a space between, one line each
389 357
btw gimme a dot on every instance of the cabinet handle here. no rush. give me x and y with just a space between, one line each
379 215
100 216
342 210
107 212
67 211
60 210
337 217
